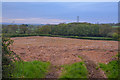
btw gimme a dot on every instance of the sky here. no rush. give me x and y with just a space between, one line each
60 0
59 12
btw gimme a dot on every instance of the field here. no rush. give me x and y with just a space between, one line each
66 51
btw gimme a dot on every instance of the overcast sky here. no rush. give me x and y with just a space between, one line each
58 12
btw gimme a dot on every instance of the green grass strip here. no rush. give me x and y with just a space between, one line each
76 70
111 69
33 69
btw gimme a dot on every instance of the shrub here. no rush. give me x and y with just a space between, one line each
115 36
8 57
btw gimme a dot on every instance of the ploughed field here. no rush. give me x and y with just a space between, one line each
60 51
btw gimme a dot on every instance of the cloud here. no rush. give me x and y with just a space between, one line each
35 21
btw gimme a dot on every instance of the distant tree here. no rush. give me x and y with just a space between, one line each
11 29
105 29
23 28
44 30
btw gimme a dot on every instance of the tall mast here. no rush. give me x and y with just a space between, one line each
77 18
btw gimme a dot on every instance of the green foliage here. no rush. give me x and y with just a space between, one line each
111 69
7 54
76 70
115 36
115 26
8 57
71 30
23 29
6 42
43 30
11 29
97 38
33 69
25 35
49 35
105 29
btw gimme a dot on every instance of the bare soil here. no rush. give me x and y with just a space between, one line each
59 51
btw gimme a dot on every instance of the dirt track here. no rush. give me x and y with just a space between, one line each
61 51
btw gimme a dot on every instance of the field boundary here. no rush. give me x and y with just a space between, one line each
49 35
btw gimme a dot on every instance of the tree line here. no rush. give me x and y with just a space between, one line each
70 29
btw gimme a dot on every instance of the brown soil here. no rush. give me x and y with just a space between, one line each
92 68
60 51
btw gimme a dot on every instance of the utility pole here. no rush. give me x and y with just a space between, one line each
77 19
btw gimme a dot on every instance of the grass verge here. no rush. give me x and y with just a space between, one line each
111 69
33 69
76 70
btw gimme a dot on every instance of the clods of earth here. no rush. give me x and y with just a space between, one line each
60 51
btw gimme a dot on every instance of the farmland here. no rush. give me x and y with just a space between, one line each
73 50
66 51
60 40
